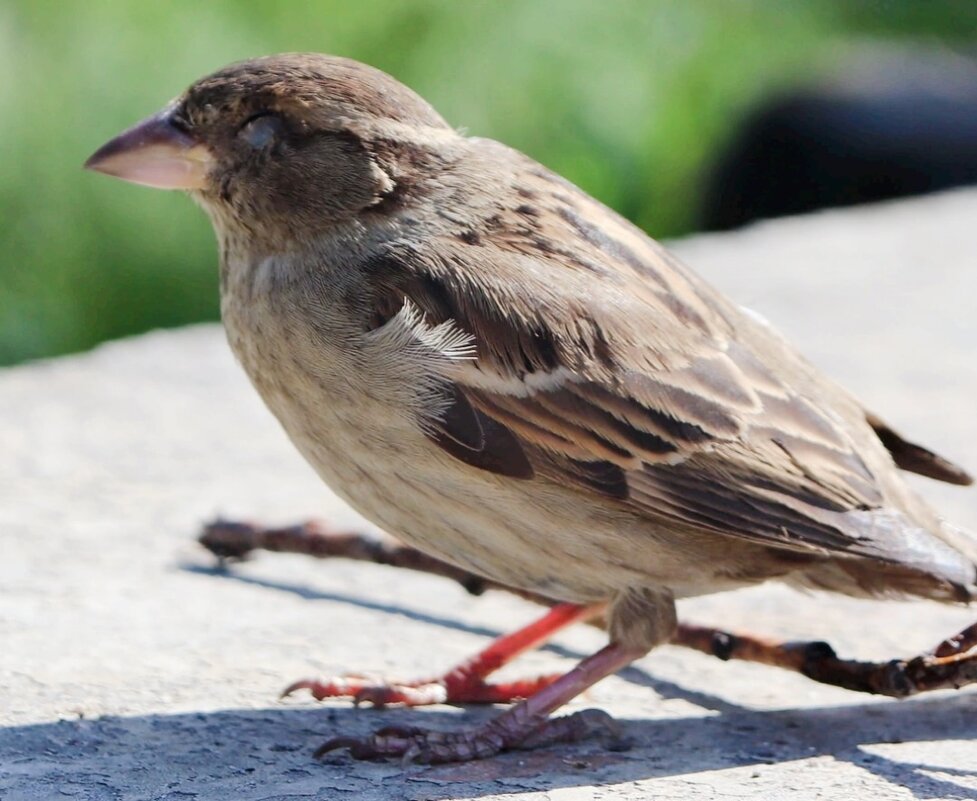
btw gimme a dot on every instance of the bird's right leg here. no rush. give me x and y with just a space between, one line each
465 683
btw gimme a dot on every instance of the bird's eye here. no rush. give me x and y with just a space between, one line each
261 130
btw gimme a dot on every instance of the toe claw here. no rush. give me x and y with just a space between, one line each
301 684
415 745
411 755
334 744
372 695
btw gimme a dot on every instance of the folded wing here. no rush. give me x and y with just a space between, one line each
608 366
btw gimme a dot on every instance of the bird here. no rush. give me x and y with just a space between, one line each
504 373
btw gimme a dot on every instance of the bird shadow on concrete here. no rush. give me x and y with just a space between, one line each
230 754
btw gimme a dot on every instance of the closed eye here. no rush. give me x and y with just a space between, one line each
262 130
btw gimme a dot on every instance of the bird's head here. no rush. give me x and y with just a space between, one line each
288 143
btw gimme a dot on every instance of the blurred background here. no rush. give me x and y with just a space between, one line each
683 115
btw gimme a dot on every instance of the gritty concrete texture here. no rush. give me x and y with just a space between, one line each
131 669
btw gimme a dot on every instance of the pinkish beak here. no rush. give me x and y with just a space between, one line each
154 153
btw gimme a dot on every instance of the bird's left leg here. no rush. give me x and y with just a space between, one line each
950 665
639 620
464 683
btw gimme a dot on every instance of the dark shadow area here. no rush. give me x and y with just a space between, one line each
310 594
231 753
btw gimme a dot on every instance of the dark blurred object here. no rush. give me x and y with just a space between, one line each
891 125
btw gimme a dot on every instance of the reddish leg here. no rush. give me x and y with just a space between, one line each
526 725
466 682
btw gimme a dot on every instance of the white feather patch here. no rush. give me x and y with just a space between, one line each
419 358
408 334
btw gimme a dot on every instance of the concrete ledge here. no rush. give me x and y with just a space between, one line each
130 669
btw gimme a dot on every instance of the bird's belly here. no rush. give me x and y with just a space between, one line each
394 476
374 455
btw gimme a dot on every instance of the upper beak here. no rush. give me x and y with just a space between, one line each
155 153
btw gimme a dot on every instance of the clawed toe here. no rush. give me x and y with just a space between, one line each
380 694
383 695
388 741
422 746
366 690
419 746
579 726
347 686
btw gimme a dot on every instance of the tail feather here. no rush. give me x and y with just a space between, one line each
861 579
917 459
894 557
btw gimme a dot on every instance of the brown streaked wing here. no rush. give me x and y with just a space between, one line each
749 486
718 443
619 372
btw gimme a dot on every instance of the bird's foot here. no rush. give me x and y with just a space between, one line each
503 733
465 683
449 689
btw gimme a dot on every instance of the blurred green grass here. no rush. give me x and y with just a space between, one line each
627 98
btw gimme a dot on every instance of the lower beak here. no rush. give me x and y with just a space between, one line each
154 153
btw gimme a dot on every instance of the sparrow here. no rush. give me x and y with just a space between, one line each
504 373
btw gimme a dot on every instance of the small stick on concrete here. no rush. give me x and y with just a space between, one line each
951 664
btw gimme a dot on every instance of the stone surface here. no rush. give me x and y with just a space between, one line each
131 669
